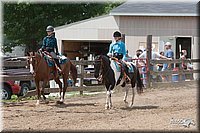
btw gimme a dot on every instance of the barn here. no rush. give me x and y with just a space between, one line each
176 22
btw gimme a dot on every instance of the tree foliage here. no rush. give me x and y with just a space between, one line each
25 23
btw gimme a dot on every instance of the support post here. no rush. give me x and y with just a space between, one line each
149 46
81 78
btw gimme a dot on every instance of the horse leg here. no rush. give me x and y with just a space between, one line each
107 97
60 86
37 83
42 91
64 88
133 96
133 91
110 101
125 96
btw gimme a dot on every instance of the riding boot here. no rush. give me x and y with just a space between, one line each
58 64
125 70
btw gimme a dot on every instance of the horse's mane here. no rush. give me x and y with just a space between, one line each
105 59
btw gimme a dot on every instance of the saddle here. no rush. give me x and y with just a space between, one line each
124 68
51 61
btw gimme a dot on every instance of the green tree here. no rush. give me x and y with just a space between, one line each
25 23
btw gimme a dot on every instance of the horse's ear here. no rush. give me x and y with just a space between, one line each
27 53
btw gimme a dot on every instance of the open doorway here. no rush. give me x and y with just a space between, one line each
185 44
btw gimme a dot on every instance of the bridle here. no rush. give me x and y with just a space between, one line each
102 67
35 63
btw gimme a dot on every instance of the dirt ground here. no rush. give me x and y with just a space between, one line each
155 109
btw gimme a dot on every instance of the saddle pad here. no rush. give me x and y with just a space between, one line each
130 67
49 60
117 66
62 59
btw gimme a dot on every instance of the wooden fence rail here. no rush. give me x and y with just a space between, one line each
82 74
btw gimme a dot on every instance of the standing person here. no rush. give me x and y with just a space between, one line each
169 54
139 63
183 54
154 55
118 50
160 66
50 44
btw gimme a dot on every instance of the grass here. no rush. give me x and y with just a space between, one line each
50 97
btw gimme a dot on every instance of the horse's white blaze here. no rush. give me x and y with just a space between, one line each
31 67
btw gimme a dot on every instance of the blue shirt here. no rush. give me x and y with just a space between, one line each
169 54
118 47
50 41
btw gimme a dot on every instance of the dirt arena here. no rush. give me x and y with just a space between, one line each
156 109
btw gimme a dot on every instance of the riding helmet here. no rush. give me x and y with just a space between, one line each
117 34
50 28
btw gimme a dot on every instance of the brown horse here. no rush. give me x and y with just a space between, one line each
43 73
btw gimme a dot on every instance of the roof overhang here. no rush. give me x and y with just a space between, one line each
155 14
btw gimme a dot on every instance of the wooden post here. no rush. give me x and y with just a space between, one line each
123 38
149 46
81 78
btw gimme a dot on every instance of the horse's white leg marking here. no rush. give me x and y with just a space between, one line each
126 94
107 97
61 97
31 67
38 102
133 96
110 101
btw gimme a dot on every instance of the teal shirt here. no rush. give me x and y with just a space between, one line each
50 41
118 47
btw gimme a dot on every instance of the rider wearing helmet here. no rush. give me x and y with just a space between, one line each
118 50
50 44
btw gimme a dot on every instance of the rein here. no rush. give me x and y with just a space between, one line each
38 63
102 68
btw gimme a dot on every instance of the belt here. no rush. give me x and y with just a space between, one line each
118 54
49 49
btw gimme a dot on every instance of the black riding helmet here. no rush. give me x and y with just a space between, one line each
117 34
50 28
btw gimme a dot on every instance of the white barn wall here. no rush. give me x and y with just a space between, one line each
92 29
159 26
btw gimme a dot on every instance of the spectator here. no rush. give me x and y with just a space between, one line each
183 54
154 55
169 54
139 63
160 66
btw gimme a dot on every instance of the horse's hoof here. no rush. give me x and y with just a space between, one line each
46 102
59 102
106 107
131 106
38 102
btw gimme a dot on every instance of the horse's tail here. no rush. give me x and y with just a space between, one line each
73 72
140 85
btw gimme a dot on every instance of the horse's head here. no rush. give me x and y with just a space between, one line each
101 62
97 66
33 59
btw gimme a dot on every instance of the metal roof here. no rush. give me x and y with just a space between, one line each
131 8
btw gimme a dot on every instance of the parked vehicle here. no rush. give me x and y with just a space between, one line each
8 89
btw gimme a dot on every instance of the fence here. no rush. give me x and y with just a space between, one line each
24 77
83 75
176 76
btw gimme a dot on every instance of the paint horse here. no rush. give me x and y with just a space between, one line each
43 68
113 75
